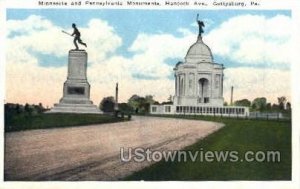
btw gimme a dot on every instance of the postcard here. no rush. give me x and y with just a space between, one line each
129 93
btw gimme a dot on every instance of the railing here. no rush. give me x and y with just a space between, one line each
266 115
252 115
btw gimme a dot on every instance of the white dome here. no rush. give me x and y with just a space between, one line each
199 52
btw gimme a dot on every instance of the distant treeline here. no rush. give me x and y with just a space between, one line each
12 109
135 104
261 104
140 104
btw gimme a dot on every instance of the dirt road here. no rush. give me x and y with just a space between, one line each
93 152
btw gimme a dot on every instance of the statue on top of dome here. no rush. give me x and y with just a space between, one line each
201 25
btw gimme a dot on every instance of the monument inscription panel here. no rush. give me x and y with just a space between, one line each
76 90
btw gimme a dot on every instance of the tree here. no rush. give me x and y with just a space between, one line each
149 99
133 101
259 103
170 99
39 108
156 103
269 106
141 104
168 102
288 106
275 107
243 102
281 102
124 107
28 109
107 104
18 109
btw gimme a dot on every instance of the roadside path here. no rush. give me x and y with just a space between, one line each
93 152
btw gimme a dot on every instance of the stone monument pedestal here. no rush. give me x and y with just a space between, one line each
76 92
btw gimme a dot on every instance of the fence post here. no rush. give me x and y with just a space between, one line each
267 116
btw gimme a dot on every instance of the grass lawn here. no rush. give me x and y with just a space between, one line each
238 135
42 121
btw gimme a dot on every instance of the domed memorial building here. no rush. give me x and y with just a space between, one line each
198 80
199 85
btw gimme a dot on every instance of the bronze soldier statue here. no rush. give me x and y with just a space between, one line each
77 37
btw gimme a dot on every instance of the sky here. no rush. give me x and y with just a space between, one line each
139 49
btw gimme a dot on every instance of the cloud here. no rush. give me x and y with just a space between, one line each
25 27
35 34
253 40
28 81
256 82
39 35
101 38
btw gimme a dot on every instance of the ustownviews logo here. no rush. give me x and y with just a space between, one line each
146 154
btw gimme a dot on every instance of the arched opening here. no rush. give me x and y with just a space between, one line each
203 91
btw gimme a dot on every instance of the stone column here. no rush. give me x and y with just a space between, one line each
179 85
186 84
193 85
222 78
176 85
117 96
